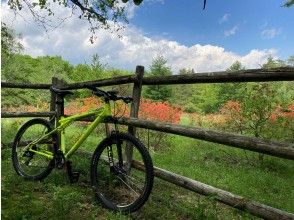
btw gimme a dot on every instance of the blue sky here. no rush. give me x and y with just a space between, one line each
211 40
187 23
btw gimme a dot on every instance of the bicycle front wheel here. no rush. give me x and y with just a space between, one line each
27 163
118 185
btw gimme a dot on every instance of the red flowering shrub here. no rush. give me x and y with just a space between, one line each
234 120
283 113
159 111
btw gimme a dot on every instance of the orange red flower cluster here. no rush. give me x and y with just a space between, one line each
160 111
283 113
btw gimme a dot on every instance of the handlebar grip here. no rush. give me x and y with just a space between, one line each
127 99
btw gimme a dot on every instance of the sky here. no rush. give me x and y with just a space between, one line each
188 37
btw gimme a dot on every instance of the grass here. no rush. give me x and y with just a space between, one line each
270 182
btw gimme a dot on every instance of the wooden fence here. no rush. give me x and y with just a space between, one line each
278 149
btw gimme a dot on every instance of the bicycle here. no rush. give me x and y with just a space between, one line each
117 185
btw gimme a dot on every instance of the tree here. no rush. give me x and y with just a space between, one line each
97 65
9 44
230 91
290 60
159 92
98 13
258 103
272 63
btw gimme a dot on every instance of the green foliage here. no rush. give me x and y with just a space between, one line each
219 166
258 103
290 61
93 71
158 92
36 70
9 46
272 63
26 69
204 96
289 3
230 91
236 66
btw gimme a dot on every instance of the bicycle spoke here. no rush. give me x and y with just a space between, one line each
125 190
29 149
127 185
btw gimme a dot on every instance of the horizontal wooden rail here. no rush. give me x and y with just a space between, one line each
24 85
26 114
223 196
278 149
220 195
283 150
103 82
250 75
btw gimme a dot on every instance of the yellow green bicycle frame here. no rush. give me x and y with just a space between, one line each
99 114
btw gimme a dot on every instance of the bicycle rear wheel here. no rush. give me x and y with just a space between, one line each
118 185
26 163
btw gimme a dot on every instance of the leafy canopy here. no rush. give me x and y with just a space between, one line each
9 44
99 13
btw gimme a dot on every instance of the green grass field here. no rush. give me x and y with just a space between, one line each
270 182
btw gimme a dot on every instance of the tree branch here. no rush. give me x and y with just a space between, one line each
89 10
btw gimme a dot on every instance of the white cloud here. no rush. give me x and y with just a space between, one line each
232 31
71 41
270 33
224 18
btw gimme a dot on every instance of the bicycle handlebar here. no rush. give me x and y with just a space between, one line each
109 95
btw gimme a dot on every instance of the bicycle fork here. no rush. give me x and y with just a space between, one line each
116 166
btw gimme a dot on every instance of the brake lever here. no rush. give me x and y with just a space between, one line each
127 99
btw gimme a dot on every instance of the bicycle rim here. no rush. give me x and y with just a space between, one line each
29 164
118 185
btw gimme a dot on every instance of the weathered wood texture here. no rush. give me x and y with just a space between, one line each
220 195
24 85
59 100
137 89
273 148
26 114
284 150
251 75
103 82
58 105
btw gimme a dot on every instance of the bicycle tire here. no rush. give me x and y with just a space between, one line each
106 187
30 131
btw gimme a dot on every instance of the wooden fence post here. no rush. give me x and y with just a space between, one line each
57 104
53 96
135 108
